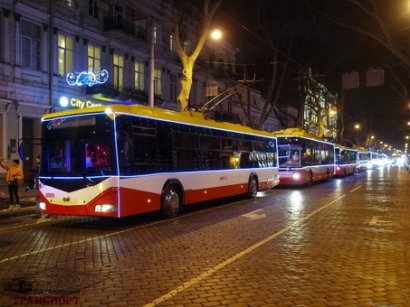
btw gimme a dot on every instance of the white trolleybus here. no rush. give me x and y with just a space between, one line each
370 159
364 160
303 158
346 160
123 160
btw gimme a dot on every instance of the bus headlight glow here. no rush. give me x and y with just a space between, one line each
42 206
296 176
105 208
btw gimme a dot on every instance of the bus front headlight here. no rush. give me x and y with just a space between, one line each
105 208
42 206
296 176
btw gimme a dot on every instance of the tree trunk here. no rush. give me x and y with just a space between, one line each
188 58
186 84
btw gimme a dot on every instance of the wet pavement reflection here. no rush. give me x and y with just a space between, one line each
342 242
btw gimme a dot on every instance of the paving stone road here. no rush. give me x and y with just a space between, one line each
343 242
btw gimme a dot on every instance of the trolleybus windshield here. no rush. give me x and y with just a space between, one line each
80 146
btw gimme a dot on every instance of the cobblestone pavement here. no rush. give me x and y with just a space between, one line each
339 243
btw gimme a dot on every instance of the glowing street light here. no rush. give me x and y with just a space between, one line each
357 126
216 34
332 113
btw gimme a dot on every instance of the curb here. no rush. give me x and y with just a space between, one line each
27 207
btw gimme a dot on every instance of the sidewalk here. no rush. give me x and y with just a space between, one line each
28 201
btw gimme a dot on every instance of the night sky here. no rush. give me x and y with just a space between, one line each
329 50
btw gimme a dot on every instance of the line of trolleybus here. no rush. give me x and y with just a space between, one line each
122 160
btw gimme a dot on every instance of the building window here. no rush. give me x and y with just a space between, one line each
156 34
186 46
118 68
30 45
157 82
141 27
65 54
94 58
92 8
173 88
171 43
139 76
69 3
117 14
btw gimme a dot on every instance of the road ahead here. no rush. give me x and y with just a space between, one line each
343 242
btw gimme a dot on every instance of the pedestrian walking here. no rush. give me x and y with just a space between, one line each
14 173
35 170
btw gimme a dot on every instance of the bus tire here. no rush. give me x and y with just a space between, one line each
252 186
171 201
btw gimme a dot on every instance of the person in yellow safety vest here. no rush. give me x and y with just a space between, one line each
14 173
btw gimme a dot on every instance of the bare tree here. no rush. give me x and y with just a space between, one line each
376 19
187 57
276 38
376 26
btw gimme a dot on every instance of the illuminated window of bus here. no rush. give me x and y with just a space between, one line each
97 155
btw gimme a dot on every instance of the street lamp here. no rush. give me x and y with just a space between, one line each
216 34
357 126
211 86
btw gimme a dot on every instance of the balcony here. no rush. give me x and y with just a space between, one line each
119 24
125 29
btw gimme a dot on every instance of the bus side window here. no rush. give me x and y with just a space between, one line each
165 146
144 136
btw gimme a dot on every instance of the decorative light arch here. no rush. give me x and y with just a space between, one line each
89 78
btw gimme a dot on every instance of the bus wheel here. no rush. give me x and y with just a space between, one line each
252 187
171 202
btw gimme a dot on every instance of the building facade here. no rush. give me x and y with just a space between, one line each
59 54
320 109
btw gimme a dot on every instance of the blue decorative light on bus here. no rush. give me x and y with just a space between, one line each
89 78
